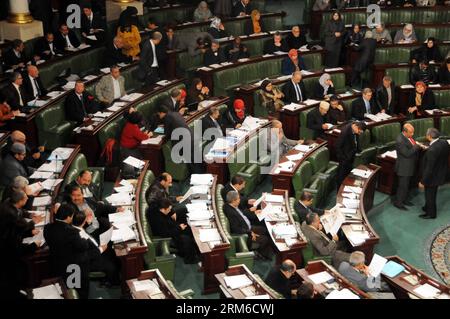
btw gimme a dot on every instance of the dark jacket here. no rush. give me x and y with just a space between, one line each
381 99
115 56
444 76
319 92
347 145
435 164
278 282
232 119
163 225
216 130
302 211
296 42
12 96
42 46
155 193
10 168
425 53
61 42
172 121
407 156
232 54
243 205
97 23
239 7
336 116
270 47
288 67
76 110
214 58
290 96
428 102
28 88
217 34
238 225
11 59
314 121
146 60
366 55
427 75
168 102
92 188
359 108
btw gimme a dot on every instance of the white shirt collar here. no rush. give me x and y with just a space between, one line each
431 143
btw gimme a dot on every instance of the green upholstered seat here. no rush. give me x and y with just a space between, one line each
444 126
158 253
384 136
442 99
303 181
273 23
239 164
179 171
325 169
399 75
420 128
308 255
239 252
189 64
367 152
305 132
393 55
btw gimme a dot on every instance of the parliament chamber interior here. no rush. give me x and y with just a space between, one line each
249 149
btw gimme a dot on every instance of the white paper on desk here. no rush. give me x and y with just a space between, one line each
38 237
42 201
131 97
209 234
292 107
407 86
146 285
320 277
84 46
280 53
348 211
163 82
311 102
376 265
238 281
201 179
353 189
215 66
124 189
119 199
205 68
48 292
357 237
282 78
199 215
267 55
121 217
350 203
125 182
90 77
346 94
37 103
333 69
51 183
392 154
274 198
153 140
284 230
305 72
105 237
54 167
200 189
87 128
361 172
342 294
286 166
69 86
434 85
91 37
427 291
133 161
43 213
350 195
266 296
251 123
36 187
41 175
60 153
123 234
295 157
302 148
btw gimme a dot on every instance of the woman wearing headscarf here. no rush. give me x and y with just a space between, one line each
255 24
223 8
293 62
355 36
129 33
420 100
197 92
236 115
202 13
129 16
324 88
216 29
271 98
406 35
428 51
334 32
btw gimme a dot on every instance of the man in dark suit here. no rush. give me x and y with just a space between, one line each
14 93
151 63
66 39
385 96
317 120
67 247
406 164
245 222
347 146
84 181
211 125
92 25
79 104
279 278
366 57
32 84
114 54
364 105
304 206
214 55
434 174
237 183
241 8
173 102
15 57
46 47
42 10
294 90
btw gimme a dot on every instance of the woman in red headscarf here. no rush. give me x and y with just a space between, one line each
236 115
420 100
293 62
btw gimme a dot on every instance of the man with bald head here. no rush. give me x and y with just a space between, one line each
294 90
279 278
114 53
32 84
34 156
405 165
277 141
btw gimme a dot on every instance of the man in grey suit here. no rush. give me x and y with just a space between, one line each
358 273
405 165
278 142
111 87
322 245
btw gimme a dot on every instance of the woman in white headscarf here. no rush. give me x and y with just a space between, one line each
202 13
406 35
324 87
216 29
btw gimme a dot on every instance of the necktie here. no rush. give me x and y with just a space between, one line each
82 105
38 89
245 218
412 141
299 92
20 96
367 107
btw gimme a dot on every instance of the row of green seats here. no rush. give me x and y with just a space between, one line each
401 54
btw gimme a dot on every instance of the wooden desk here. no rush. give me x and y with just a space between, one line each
213 256
208 76
283 179
219 165
131 253
314 267
53 281
333 135
168 291
153 152
366 202
258 287
283 250
402 289
246 93
89 139
38 263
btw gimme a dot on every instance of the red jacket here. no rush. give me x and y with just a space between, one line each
132 136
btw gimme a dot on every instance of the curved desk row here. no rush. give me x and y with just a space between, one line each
151 284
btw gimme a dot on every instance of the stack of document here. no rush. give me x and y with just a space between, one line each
38 237
147 285
302 148
361 172
427 291
163 82
357 238
120 199
311 102
131 97
42 201
346 94
392 154
153 140
284 230
295 157
377 265
333 69
41 175
342 294
251 123
407 86
199 215
44 213
239 281
37 103
202 179
48 292
239 134
90 77
133 161
292 107
54 94
286 166
205 68
353 189
273 198
123 234
50 184
209 234
350 203
122 219
205 104
320 277
54 167
116 106
215 66
69 86
60 153
284 77
103 114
